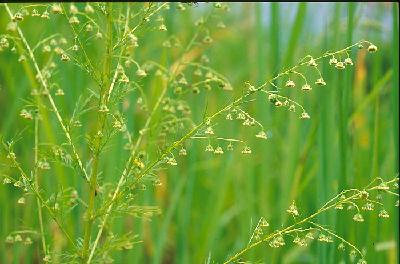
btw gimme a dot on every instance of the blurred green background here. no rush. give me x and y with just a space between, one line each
210 204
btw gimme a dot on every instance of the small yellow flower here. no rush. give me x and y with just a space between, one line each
340 65
348 61
305 115
290 84
372 48
333 61
320 81
306 87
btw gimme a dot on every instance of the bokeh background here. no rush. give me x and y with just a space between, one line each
211 204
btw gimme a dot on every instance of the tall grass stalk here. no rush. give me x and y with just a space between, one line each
395 102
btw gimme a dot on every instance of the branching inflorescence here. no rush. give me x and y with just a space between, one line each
305 230
117 28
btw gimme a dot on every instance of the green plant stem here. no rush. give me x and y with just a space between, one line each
128 166
324 208
275 36
229 106
36 177
148 14
283 231
89 212
92 70
107 100
97 149
395 106
175 70
36 192
49 96
126 170
176 144
395 86
297 29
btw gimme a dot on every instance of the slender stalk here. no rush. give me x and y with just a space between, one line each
175 70
107 100
355 195
335 235
296 31
89 212
395 87
275 36
91 69
237 102
49 96
97 149
36 192
148 15
395 104
192 132
127 169
36 177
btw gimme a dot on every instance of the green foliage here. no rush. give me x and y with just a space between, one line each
149 132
